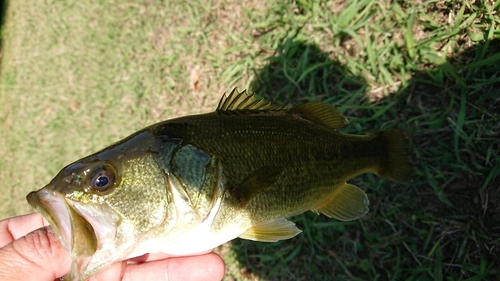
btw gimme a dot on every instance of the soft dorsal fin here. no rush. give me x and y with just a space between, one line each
322 113
242 101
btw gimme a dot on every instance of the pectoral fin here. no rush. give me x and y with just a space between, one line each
347 203
271 231
256 183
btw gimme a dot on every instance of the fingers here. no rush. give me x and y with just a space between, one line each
208 267
40 256
13 228
114 272
159 256
37 256
158 266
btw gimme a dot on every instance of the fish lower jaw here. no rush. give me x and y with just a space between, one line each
85 267
55 210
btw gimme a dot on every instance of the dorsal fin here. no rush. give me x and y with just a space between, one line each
242 101
322 113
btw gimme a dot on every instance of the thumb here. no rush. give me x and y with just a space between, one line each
36 256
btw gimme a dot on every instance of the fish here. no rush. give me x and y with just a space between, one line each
186 185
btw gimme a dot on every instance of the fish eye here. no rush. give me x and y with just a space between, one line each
103 179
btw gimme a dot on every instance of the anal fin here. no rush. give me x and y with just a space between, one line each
272 231
347 203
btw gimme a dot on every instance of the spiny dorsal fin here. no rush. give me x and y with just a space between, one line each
243 101
323 113
271 231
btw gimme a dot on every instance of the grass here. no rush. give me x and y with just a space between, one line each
79 75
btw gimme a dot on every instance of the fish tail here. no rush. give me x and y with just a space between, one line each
396 165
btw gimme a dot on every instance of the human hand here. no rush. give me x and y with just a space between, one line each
30 250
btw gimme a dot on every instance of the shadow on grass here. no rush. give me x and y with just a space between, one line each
444 223
300 72
3 13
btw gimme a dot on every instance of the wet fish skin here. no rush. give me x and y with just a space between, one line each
189 184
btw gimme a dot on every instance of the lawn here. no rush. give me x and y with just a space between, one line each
79 75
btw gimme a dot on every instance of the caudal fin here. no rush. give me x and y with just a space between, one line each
397 165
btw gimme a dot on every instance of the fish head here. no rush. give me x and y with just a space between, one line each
101 206
62 202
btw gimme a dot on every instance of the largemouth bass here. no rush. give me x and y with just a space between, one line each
187 185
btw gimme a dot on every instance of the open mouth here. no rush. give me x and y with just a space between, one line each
74 232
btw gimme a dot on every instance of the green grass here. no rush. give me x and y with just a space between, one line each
79 75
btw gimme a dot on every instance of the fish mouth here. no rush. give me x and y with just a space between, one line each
53 207
74 232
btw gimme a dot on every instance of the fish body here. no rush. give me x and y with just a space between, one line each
187 185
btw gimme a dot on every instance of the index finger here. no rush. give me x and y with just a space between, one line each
13 228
